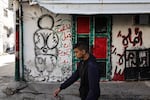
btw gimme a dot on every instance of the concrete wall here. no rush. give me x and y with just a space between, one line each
47 45
2 6
7 39
122 27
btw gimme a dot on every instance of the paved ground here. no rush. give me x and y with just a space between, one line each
8 69
6 58
7 65
113 90
11 90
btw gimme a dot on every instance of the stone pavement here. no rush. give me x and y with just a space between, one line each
6 58
113 90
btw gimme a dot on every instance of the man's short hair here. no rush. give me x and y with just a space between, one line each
82 46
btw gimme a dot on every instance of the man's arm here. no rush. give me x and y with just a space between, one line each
74 77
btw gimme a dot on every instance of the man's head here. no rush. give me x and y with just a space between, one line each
81 50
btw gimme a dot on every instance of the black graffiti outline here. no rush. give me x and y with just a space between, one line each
45 39
43 61
40 19
136 59
131 58
144 60
43 35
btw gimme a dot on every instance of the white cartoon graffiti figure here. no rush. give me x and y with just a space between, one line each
45 45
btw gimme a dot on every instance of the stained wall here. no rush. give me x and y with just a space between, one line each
126 36
47 45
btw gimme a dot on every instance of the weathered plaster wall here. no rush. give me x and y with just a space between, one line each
47 45
7 28
129 36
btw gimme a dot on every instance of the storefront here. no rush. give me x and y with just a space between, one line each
50 28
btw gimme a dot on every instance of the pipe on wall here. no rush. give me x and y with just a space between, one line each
17 46
21 41
19 59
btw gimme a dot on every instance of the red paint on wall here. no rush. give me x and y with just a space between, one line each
118 76
17 46
17 41
100 48
83 25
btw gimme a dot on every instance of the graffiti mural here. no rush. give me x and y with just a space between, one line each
132 39
46 41
144 59
131 59
65 47
137 64
52 42
129 39
137 57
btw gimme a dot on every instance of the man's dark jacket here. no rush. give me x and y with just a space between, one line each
89 75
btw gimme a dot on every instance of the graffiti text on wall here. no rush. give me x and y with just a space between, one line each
137 64
129 39
137 58
65 48
126 40
133 38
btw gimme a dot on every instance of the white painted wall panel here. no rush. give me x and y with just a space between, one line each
120 30
47 45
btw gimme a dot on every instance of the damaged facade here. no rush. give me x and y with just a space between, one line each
116 31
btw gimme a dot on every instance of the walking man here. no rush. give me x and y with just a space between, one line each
87 71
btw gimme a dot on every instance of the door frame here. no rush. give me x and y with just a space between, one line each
92 36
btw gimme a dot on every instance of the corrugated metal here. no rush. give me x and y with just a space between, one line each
96 6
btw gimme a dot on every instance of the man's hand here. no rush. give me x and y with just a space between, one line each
56 92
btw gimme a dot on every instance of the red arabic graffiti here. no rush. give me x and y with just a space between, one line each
64 52
67 35
132 38
128 39
121 56
118 76
64 27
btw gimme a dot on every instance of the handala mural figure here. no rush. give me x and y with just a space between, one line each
45 41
